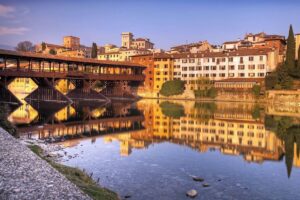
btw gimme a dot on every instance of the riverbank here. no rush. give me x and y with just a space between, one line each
26 174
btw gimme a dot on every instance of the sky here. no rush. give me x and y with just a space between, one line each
166 23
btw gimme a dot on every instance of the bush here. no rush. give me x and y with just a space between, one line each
211 93
256 90
172 109
170 88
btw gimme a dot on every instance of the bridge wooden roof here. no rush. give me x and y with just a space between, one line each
40 56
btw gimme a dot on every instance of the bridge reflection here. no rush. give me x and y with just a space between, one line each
76 120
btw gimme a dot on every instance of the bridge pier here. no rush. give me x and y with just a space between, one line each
5 94
46 91
119 89
84 91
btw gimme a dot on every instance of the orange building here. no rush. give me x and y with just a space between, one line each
148 61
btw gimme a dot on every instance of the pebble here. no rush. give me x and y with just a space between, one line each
192 193
205 185
198 179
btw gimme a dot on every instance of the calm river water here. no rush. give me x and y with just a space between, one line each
151 149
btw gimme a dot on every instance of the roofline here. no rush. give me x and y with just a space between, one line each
66 59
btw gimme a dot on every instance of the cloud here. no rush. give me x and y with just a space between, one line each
6 11
12 31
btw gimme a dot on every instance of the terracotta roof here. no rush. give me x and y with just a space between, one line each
231 42
65 59
54 45
207 54
241 80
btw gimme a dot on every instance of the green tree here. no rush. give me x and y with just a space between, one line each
174 87
290 52
52 52
94 50
256 90
170 109
284 80
43 46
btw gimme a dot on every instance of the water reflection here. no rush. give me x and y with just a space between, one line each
235 129
161 142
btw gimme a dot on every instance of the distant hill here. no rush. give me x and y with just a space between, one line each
7 47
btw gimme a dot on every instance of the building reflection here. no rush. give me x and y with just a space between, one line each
232 129
258 133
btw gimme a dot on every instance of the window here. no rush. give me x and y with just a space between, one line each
222 75
241 75
251 74
241 60
231 67
261 66
241 67
251 58
230 59
222 67
261 58
231 74
213 68
261 74
251 67
184 61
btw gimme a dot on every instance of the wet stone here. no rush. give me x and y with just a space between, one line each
197 179
205 185
192 193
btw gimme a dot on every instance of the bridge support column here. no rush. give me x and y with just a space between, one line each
84 91
119 89
46 91
5 94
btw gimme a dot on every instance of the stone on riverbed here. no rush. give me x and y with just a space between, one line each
191 193
205 185
198 179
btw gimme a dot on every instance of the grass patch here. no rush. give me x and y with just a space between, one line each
4 123
79 178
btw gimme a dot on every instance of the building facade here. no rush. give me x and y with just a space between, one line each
242 63
129 42
71 42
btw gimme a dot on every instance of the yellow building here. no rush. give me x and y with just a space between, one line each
163 70
297 40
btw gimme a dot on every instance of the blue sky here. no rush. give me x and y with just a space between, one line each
166 23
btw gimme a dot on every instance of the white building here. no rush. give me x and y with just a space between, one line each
243 63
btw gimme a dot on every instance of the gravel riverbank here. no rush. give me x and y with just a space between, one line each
23 175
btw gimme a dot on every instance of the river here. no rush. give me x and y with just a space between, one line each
151 149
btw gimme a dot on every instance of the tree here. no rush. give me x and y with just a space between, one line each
43 46
174 87
170 109
94 50
25 46
284 80
52 52
290 52
256 90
